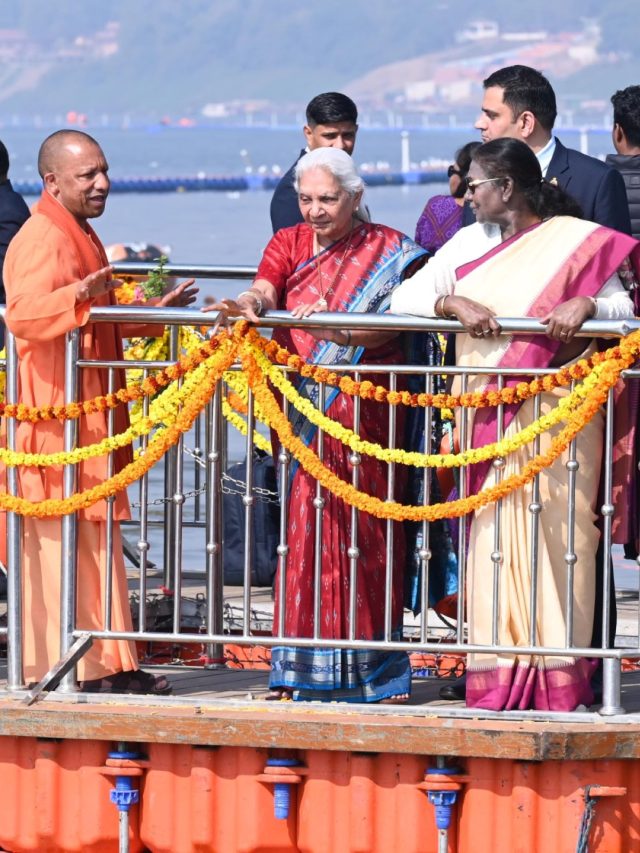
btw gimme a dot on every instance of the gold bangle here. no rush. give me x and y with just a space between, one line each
256 296
440 304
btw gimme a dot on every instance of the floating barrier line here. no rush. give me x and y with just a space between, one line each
236 183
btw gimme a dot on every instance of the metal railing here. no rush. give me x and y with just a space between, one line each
203 467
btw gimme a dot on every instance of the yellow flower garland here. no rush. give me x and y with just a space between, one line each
154 451
398 512
421 460
177 407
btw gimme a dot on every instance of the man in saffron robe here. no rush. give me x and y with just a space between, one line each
55 270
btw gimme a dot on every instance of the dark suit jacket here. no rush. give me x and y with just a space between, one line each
285 210
13 214
598 188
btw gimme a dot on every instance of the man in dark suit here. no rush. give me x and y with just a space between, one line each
13 214
519 102
332 122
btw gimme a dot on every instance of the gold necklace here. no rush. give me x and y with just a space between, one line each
323 305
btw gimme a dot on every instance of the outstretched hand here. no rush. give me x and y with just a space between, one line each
181 296
231 308
96 284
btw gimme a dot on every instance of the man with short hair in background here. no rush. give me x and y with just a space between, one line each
626 140
332 122
519 102
13 214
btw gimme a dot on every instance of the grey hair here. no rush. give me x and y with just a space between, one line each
336 162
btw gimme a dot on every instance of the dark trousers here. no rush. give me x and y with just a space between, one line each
596 636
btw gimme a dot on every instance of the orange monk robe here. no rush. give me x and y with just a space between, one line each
44 263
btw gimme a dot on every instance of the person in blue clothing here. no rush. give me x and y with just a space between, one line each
13 214
332 122
519 102
13 211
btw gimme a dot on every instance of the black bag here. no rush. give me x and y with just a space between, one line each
266 517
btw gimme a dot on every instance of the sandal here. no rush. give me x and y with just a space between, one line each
279 694
134 681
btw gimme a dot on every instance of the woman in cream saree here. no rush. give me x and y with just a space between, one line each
528 255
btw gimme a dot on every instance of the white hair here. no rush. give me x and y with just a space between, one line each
336 162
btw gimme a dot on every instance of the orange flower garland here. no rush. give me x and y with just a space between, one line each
368 391
154 451
399 512
147 387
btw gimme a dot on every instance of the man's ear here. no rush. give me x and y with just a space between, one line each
307 133
527 124
618 135
51 184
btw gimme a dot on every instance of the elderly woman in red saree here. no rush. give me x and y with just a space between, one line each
335 261
528 254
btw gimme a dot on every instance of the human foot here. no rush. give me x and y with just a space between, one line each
279 693
399 699
134 681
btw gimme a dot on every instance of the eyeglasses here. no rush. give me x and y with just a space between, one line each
451 171
471 186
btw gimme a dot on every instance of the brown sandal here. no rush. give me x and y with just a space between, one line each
134 681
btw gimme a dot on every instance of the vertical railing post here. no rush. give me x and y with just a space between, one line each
70 521
15 677
611 667
170 470
214 565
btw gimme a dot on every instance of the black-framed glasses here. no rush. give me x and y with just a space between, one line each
453 170
471 186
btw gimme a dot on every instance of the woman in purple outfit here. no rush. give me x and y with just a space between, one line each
442 215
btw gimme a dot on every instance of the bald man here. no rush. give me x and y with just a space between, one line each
55 270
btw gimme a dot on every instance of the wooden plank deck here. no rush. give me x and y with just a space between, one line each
224 706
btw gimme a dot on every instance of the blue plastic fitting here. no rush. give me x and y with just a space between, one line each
443 801
281 790
124 795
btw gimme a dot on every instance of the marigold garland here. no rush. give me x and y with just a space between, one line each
515 394
398 512
422 460
154 451
146 388
176 407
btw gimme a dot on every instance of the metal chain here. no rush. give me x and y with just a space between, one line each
194 493
229 486
264 495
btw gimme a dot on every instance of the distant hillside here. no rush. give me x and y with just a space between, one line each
167 56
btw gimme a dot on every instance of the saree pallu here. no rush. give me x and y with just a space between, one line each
550 263
439 221
364 280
